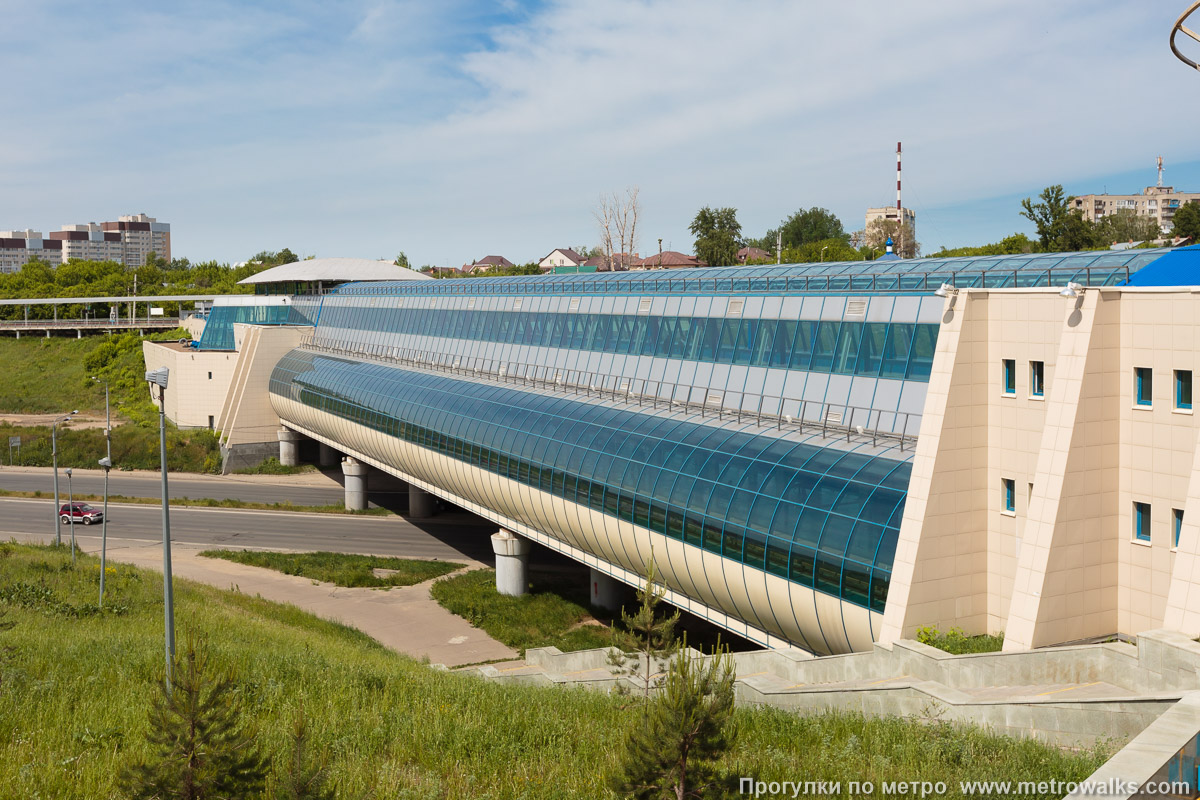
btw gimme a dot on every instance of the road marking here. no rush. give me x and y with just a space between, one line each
1067 689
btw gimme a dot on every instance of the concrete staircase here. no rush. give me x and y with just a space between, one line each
1066 696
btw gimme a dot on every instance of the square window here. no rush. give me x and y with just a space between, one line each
1177 520
1183 388
1141 522
1143 380
1037 378
1010 376
1008 488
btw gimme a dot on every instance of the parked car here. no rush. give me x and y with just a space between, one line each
80 512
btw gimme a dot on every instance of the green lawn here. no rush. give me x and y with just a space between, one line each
47 376
76 684
342 569
957 642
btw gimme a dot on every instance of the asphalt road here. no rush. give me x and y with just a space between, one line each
448 536
135 484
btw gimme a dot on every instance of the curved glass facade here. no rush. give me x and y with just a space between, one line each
900 350
820 516
218 330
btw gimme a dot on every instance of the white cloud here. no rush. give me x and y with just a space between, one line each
456 130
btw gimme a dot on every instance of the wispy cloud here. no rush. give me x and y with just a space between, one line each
452 130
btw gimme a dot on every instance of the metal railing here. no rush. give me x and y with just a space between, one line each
865 282
768 411
89 324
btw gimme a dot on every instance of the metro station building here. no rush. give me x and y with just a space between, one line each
815 455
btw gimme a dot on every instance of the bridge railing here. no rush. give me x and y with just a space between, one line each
88 324
828 419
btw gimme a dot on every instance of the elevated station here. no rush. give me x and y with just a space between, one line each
814 455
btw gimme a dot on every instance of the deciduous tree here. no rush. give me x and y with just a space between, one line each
617 217
1187 221
904 240
718 236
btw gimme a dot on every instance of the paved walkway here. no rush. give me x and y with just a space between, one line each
404 618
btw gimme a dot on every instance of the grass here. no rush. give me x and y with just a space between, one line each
272 467
542 618
958 642
343 569
46 376
133 447
76 684
210 502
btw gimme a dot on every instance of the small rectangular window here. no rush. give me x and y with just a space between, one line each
1141 522
1009 488
1183 388
210 376
1010 376
1177 520
1037 378
1143 380
210 422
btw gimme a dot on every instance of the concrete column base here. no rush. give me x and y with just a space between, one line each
512 563
289 447
606 591
329 457
356 483
420 503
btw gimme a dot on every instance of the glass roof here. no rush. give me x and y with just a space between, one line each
921 275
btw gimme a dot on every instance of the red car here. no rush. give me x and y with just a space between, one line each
80 512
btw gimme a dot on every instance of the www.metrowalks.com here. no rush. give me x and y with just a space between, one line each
1113 787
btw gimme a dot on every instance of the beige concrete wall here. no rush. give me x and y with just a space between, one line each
1064 565
198 381
246 414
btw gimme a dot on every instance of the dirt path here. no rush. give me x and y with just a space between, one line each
79 421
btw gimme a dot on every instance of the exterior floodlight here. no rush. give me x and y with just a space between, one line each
68 471
106 462
945 290
1072 290
158 376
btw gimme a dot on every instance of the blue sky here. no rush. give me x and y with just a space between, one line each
457 129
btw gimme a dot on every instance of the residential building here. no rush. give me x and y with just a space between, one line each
129 240
486 264
752 254
892 214
1156 202
667 259
563 257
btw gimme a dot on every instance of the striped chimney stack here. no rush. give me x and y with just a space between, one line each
898 211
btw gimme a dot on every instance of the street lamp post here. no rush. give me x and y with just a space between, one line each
71 514
158 378
105 462
54 459
823 249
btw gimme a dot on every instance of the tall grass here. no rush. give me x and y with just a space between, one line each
133 447
77 683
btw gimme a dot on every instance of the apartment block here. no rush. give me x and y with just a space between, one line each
1157 202
128 241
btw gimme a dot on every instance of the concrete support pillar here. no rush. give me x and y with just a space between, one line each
356 483
329 456
420 503
78 333
606 591
47 333
512 563
289 447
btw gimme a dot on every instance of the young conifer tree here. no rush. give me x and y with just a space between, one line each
647 637
202 750
305 778
675 749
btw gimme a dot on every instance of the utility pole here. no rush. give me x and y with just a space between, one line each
779 246
159 378
660 253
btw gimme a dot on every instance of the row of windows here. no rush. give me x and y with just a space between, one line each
1037 377
1143 387
901 350
1141 513
1142 516
822 517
